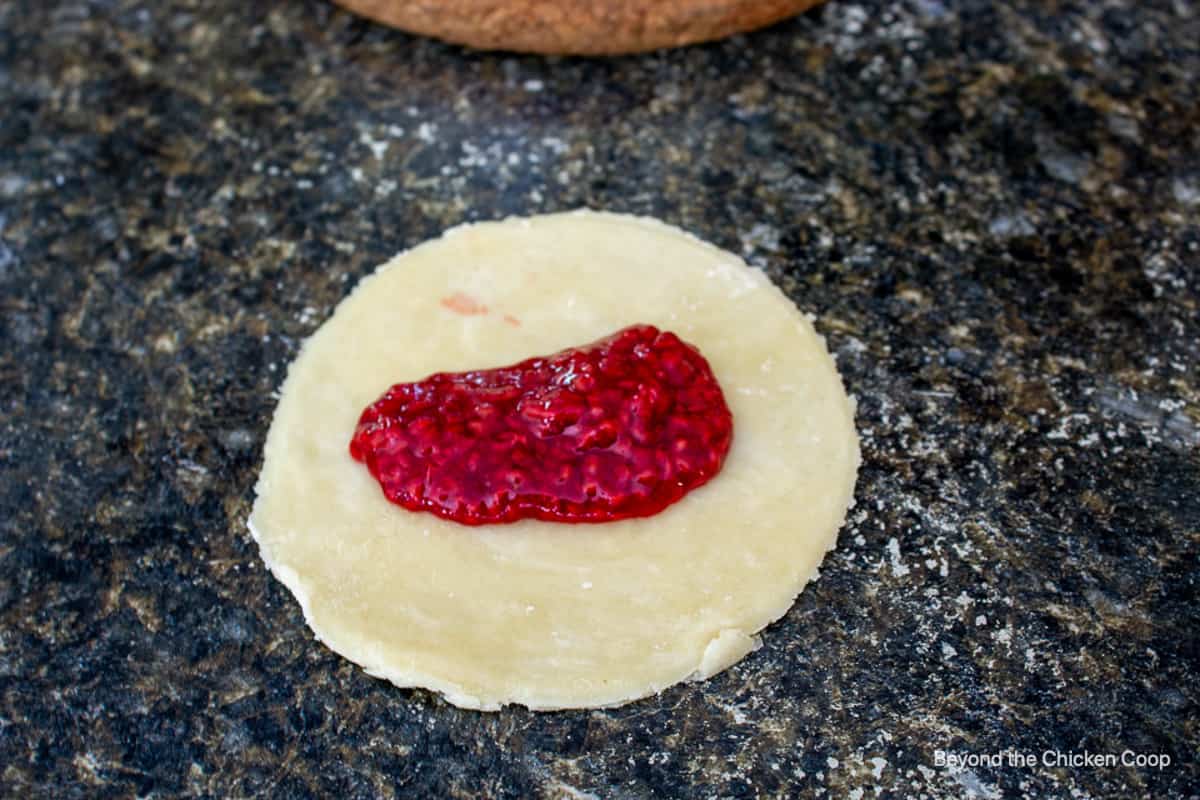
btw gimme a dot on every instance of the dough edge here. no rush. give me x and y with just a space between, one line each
725 647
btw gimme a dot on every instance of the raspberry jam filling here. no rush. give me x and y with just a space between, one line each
619 428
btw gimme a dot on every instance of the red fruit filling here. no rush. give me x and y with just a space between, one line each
619 428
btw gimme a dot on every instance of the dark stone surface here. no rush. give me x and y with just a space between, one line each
993 207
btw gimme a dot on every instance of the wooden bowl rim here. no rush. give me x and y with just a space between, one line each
571 27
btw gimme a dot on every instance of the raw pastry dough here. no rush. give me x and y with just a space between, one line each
543 614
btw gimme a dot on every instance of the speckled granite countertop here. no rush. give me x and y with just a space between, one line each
993 207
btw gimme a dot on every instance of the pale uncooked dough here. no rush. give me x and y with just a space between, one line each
539 613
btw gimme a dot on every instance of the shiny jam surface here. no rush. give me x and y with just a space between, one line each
619 428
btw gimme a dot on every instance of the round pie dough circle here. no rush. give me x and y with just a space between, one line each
539 613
